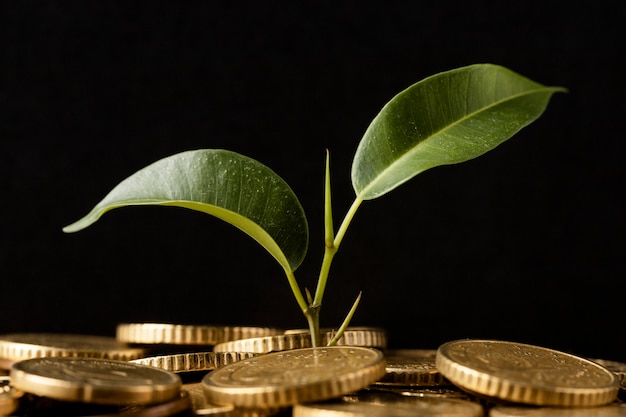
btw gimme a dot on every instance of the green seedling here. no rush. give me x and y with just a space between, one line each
447 118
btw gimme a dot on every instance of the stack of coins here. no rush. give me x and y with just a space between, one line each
166 370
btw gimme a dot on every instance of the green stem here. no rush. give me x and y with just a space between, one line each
331 250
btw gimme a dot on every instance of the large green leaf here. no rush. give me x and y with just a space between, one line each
227 185
447 118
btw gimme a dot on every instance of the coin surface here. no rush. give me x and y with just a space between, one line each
389 406
191 362
409 367
19 346
611 410
187 334
367 337
95 380
526 374
294 376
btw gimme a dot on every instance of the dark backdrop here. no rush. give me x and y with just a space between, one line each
525 243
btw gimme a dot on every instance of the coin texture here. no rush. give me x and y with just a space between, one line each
191 362
290 377
19 346
95 381
526 374
390 406
297 340
187 334
411 368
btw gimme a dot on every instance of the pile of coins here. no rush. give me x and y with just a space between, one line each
174 370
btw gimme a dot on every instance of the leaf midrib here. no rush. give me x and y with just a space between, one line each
438 132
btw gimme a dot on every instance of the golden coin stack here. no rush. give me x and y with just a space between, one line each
253 371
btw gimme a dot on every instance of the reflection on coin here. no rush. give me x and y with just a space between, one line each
9 396
294 376
525 373
368 337
191 362
96 381
19 346
411 368
389 406
611 410
187 334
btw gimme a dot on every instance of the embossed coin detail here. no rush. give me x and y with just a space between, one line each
19 346
526 374
95 381
191 362
294 376
187 334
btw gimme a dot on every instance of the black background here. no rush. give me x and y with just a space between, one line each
525 243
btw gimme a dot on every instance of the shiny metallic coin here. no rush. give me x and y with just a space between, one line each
191 362
611 410
20 346
367 337
183 334
526 374
411 368
95 381
390 406
295 376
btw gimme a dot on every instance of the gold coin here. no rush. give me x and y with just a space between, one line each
187 334
95 381
19 346
408 367
611 410
297 340
191 362
389 406
294 376
526 374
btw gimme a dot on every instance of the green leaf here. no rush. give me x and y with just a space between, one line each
227 185
447 118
